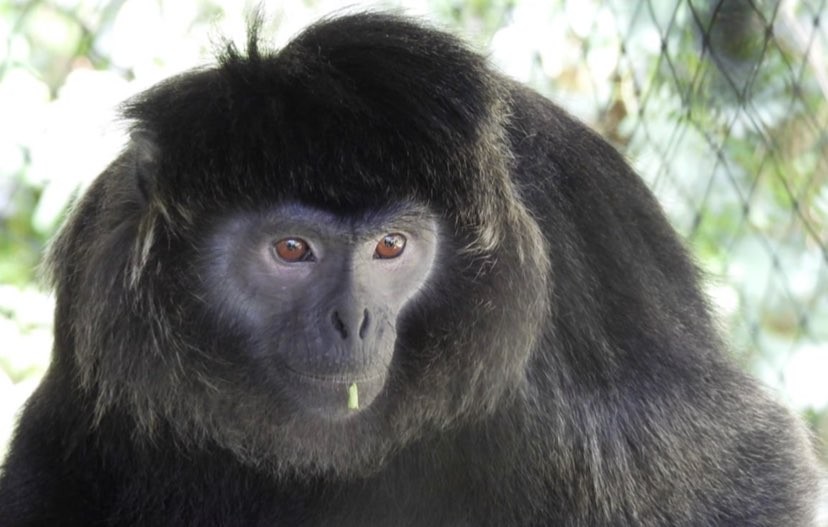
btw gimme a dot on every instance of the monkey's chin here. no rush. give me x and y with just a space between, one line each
335 398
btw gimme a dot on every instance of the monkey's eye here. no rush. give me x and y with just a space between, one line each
293 250
390 246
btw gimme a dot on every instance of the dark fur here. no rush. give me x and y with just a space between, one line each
560 369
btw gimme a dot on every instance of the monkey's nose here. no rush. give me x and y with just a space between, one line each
350 321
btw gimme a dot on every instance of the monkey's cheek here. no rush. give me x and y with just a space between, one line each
334 399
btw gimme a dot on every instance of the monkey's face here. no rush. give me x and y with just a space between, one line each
268 278
319 296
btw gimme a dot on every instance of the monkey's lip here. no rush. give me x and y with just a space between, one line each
341 379
328 396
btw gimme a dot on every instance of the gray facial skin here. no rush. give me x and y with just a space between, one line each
324 311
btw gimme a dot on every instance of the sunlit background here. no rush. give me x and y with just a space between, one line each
721 106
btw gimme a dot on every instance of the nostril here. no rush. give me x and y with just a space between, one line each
338 325
365 322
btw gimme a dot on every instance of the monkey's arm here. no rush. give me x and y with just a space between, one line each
45 479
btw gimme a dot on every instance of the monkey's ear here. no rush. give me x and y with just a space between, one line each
144 156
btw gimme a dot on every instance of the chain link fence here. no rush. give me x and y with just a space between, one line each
722 106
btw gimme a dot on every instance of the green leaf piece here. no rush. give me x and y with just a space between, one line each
353 397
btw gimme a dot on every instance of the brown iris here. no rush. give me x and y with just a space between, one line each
390 246
293 250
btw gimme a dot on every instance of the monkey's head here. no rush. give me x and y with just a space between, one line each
308 257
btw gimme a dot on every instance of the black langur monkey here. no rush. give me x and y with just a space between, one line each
367 280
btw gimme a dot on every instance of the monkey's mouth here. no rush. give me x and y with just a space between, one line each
334 396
